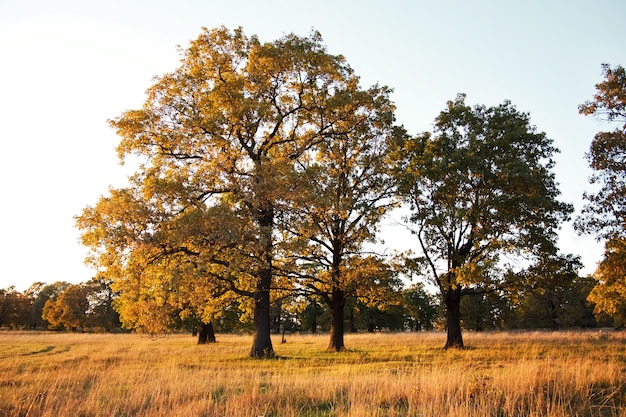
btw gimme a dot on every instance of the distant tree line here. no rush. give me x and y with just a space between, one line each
84 307
90 307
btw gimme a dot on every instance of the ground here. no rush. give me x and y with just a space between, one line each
382 374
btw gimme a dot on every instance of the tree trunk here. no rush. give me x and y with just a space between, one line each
453 314
206 334
261 341
336 322
276 320
352 321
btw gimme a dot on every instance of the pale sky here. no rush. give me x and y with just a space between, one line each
68 66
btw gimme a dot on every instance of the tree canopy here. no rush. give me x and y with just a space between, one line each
479 187
605 213
348 189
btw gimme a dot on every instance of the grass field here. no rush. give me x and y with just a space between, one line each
500 374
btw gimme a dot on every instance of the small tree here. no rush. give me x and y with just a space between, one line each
344 189
609 295
41 293
483 310
70 310
14 308
420 307
101 298
546 293
314 316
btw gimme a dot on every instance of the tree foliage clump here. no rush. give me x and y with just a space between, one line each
605 213
14 308
609 295
86 306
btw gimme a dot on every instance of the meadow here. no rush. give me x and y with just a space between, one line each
382 374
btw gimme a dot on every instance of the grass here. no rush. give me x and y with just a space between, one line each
500 374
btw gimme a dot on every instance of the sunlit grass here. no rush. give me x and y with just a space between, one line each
500 374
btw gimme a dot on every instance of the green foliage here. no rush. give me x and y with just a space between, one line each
479 187
421 308
364 317
41 293
314 317
484 310
14 308
552 295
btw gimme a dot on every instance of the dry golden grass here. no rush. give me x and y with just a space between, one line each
500 374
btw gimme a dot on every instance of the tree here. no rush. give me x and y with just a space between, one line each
381 317
41 293
14 308
36 304
347 190
87 306
479 187
483 310
609 295
70 310
313 316
605 213
101 298
548 293
219 139
421 307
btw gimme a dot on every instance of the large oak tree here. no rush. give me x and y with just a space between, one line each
479 187
219 140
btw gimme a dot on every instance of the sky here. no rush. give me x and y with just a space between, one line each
66 67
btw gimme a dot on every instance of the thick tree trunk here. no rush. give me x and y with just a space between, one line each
453 313
261 341
336 322
206 334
